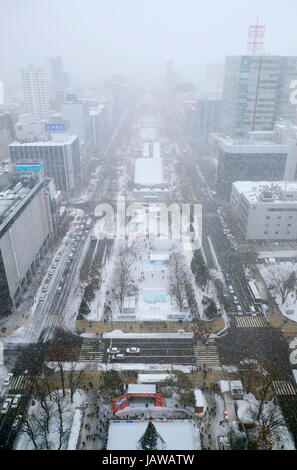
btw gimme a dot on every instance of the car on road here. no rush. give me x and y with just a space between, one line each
239 310
50 274
231 290
8 379
17 421
15 401
253 311
118 357
59 290
132 350
41 298
235 300
113 350
6 405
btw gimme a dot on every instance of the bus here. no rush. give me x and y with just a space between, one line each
254 292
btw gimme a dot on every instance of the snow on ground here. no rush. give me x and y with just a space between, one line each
177 434
277 254
71 420
247 412
282 269
129 366
75 429
121 335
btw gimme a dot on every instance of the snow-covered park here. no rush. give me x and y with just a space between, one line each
280 279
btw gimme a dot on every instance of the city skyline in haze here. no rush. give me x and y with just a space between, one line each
98 38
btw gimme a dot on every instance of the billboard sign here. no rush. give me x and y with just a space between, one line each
34 166
56 126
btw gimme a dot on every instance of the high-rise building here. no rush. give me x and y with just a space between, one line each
36 100
24 235
256 93
61 160
76 112
200 118
253 160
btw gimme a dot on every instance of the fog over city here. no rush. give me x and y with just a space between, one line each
148 229
98 37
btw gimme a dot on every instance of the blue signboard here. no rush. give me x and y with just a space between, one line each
56 126
29 166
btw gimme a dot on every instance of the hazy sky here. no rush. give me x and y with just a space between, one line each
96 38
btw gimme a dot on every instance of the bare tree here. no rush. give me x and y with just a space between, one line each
280 281
30 427
265 434
62 405
263 379
75 379
122 279
178 278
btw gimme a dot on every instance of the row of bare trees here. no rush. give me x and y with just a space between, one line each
283 282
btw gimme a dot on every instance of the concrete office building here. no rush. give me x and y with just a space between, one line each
250 160
61 160
200 118
256 93
36 99
265 210
24 234
76 112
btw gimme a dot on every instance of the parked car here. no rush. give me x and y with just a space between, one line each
41 298
132 350
113 350
231 290
59 290
8 379
118 357
15 401
6 405
44 289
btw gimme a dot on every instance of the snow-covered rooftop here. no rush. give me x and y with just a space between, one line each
199 398
153 378
148 171
141 388
267 192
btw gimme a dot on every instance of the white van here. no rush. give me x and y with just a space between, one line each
239 311
253 310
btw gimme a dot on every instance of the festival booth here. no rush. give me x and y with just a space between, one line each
136 394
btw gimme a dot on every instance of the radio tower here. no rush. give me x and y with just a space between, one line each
256 34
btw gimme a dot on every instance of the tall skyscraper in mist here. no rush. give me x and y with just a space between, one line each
256 93
35 91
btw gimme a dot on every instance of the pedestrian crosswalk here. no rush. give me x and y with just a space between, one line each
92 350
206 354
19 382
281 387
248 321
